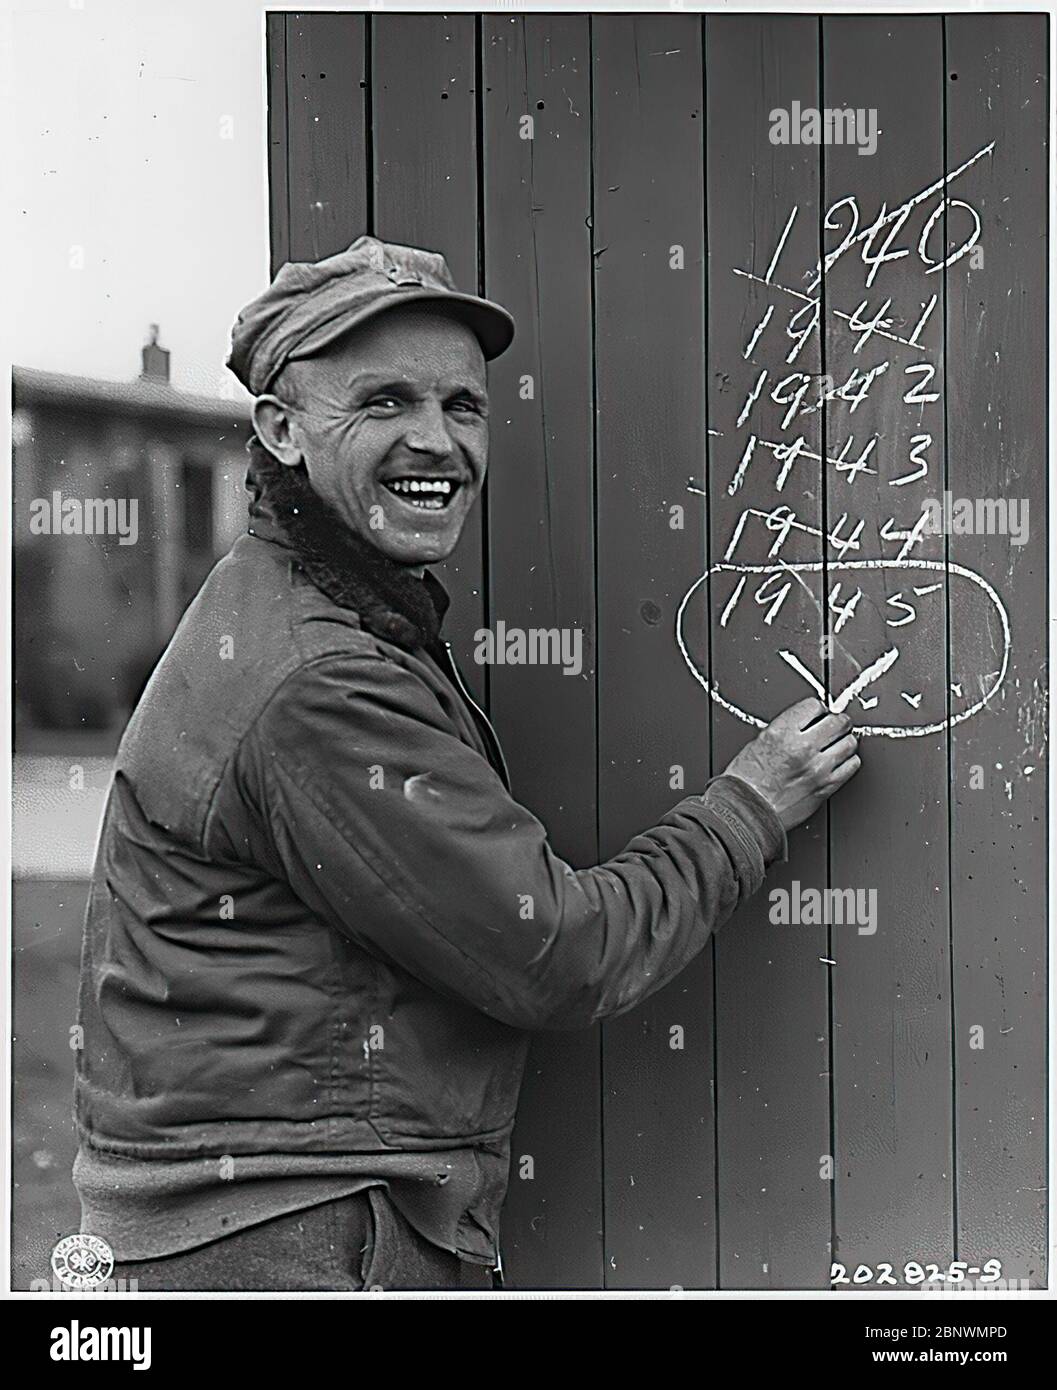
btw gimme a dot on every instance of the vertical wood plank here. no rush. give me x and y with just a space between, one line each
278 148
997 90
326 133
649 202
424 121
891 1007
772 1027
537 208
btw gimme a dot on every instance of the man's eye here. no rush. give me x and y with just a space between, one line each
383 403
464 404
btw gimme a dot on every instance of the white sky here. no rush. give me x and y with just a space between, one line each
119 108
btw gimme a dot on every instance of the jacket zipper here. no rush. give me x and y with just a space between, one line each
485 723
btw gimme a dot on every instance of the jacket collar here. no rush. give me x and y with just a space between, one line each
391 602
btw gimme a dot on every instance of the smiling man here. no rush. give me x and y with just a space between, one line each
308 979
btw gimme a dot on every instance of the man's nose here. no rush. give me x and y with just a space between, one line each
428 433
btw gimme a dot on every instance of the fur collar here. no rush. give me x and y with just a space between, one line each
392 603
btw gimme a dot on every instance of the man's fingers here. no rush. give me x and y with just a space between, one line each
829 729
846 769
839 752
804 712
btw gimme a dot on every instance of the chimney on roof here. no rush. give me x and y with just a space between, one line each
155 359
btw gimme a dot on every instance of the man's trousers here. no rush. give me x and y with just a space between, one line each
357 1243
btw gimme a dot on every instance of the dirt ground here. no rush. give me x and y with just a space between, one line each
47 918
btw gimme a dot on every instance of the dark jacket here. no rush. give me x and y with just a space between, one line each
319 921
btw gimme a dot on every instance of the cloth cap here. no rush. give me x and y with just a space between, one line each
309 304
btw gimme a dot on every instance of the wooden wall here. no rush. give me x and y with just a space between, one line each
802 1094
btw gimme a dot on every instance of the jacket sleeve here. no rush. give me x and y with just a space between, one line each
396 832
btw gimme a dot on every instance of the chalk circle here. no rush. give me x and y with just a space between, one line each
839 566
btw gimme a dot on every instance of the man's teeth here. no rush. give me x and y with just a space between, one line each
420 485
428 493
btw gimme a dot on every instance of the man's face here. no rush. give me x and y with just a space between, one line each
393 426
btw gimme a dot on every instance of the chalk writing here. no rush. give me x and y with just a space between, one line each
848 625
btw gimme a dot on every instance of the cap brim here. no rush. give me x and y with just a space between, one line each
490 323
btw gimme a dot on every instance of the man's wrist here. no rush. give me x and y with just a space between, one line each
756 833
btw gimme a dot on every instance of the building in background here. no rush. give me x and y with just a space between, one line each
93 614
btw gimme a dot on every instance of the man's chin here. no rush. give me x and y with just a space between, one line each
417 550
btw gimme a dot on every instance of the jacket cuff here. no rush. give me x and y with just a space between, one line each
749 828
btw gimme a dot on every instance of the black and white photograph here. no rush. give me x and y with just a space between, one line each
528 630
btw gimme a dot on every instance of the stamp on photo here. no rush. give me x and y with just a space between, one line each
82 1261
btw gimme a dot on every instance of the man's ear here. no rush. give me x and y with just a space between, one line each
272 422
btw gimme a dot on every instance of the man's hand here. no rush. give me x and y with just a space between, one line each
799 760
